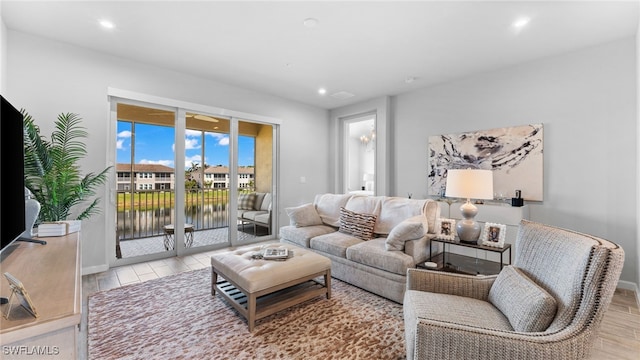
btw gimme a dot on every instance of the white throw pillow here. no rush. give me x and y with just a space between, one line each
410 229
304 215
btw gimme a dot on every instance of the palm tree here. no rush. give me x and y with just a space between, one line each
52 172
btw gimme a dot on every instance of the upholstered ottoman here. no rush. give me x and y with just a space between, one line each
258 288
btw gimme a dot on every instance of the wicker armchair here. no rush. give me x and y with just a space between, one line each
548 305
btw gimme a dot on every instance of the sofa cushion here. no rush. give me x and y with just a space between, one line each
528 306
394 210
251 214
258 201
263 219
410 229
373 253
303 215
246 201
365 204
302 235
359 225
265 205
328 207
335 243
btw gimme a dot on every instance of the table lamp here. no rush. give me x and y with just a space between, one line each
469 184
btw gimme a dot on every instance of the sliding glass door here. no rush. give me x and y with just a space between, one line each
181 174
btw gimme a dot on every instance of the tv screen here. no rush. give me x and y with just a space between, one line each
12 219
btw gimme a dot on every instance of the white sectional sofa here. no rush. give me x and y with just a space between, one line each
371 240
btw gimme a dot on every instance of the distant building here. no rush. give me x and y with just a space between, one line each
160 177
145 177
217 177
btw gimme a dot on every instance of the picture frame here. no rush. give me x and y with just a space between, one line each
18 290
493 235
446 229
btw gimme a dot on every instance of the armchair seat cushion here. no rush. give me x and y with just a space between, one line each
469 311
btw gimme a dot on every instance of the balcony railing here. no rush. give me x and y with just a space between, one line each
144 213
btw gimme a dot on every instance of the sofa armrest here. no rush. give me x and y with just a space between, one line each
472 286
418 249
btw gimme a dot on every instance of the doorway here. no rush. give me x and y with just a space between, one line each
360 155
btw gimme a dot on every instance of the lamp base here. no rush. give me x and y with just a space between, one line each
468 229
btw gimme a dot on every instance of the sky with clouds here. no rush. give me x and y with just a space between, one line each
156 144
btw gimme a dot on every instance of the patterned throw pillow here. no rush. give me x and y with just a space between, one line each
357 224
246 201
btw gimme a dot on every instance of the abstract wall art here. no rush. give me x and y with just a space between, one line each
515 154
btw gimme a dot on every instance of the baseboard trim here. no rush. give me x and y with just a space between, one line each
628 285
94 269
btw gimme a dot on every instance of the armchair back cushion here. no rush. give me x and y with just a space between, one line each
571 267
528 307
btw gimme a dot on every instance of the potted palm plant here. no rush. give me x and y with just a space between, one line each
52 172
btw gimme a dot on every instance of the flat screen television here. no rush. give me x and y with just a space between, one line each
12 205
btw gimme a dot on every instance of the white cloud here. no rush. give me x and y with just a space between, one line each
191 144
157 162
223 139
120 144
192 133
195 159
124 134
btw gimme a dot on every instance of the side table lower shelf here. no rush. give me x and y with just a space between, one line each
452 262
462 264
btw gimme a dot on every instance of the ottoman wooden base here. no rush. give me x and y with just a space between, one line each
277 296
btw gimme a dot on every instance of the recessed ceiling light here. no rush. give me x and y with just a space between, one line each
107 24
521 22
310 22
410 79
322 91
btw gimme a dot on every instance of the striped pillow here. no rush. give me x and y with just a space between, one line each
246 201
357 224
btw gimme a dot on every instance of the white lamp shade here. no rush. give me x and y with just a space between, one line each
470 184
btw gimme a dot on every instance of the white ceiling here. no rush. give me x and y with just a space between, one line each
364 48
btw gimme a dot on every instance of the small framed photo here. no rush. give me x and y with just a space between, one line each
446 229
493 235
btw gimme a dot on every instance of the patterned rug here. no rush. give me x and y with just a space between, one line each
177 318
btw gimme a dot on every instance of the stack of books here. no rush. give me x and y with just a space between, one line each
58 228
275 254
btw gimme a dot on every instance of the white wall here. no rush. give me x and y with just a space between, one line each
47 78
3 56
587 102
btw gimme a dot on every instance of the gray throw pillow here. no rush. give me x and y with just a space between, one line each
528 306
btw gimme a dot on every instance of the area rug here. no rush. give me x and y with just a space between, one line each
177 318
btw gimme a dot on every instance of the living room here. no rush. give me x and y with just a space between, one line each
586 97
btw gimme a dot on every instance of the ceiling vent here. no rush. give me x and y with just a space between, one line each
342 95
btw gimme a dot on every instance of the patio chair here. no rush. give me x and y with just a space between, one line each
548 305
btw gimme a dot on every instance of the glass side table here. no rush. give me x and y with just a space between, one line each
447 261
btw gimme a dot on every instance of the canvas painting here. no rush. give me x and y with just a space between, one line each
515 154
